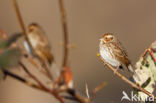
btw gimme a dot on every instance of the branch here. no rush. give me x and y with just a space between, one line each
20 20
65 31
97 89
26 82
77 97
41 84
46 68
33 77
18 14
146 66
34 63
27 39
127 80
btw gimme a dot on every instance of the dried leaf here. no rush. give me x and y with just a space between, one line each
87 91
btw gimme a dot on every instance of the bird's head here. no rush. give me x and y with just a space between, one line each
107 37
33 27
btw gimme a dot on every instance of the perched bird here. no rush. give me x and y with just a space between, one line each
113 53
39 43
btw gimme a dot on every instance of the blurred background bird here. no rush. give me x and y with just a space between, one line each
39 42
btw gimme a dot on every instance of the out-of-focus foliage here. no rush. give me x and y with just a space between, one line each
10 57
146 69
10 40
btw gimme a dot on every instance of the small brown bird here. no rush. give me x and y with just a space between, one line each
39 43
113 53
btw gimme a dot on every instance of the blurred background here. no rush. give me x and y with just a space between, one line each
132 21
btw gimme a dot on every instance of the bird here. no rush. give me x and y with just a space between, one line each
39 43
112 52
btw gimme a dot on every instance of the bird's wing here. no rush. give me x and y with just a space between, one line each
43 39
119 52
41 45
46 53
45 48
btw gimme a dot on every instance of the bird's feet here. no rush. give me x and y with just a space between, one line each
117 68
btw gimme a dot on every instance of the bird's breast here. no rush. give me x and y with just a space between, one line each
108 56
34 40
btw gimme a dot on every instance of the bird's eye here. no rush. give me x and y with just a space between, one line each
111 38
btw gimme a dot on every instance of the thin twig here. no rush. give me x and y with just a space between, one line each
21 22
97 89
26 82
127 80
34 63
65 58
65 32
15 76
18 14
27 39
78 97
33 77
81 99
47 69
41 84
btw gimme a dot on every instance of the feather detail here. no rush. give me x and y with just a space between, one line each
107 55
40 45
113 53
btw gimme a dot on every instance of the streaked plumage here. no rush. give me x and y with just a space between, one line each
39 42
113 53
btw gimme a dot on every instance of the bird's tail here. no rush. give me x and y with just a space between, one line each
130 68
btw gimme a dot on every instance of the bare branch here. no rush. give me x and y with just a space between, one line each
21 22
26 82
19 17
126 80
97 89
65 32
78 97
41 84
